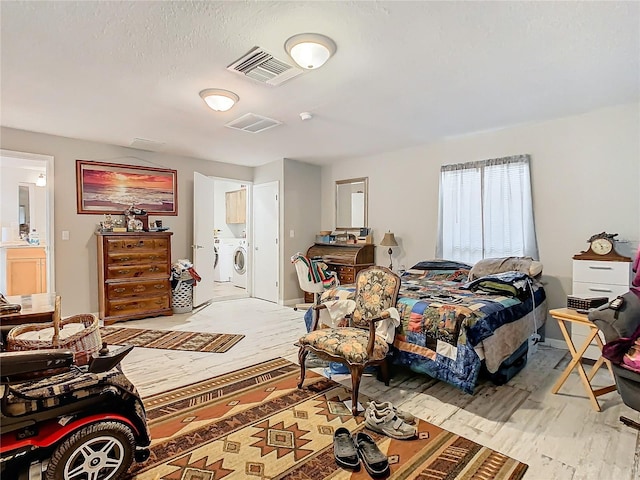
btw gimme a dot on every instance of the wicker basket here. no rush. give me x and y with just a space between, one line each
83 344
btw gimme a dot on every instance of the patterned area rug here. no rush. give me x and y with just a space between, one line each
190 341
255 423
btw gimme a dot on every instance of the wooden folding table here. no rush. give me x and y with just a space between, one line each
567 315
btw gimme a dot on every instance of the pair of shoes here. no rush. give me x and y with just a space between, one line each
344 449
388 423
375 462
382 406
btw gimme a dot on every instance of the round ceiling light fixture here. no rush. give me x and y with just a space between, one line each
310 50
218 99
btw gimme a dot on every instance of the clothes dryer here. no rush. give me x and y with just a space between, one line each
239 274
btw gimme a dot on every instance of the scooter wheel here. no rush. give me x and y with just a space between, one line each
101 451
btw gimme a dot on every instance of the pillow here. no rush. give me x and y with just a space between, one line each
489 266
440 264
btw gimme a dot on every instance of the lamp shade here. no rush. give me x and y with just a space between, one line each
219 100
310 50
389 240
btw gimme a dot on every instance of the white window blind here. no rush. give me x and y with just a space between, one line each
486 210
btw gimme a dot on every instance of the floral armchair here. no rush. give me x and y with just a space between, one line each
357 346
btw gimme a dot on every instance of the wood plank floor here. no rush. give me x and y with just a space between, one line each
558 436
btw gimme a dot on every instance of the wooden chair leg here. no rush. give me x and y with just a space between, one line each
384 372
302 356
630 423
356 374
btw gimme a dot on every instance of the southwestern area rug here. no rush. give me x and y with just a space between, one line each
170 340
255 423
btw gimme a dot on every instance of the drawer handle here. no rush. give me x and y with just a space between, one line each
153 257
600 268
139 288
124 272
599 289
159 287
154 269
125 259
118 307
119 290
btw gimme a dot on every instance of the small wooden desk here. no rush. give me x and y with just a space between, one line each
36 308
563 315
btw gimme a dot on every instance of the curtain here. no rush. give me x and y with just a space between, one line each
486 210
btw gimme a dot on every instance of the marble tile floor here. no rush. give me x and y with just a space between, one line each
558 436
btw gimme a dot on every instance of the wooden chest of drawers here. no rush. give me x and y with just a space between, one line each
133 275
597 279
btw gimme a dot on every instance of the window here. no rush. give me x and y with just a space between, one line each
486 210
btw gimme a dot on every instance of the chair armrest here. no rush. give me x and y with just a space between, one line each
383 316
19 363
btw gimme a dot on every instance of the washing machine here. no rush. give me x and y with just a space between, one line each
224 270
239 274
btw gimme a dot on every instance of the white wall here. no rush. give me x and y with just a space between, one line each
585 173
301 216
75 259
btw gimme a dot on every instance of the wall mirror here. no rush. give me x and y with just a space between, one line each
24 209
351 203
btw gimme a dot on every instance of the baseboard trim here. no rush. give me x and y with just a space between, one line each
555 343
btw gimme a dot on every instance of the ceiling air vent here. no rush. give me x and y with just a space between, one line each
263 67
252 123
149 145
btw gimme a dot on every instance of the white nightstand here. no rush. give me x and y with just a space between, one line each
598 278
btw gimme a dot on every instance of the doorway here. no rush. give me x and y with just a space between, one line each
221 234
26 209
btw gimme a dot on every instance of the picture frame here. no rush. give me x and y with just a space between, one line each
111 188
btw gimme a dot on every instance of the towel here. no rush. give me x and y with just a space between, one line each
335 312
386 329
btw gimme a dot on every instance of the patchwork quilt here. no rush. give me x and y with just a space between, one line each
448 327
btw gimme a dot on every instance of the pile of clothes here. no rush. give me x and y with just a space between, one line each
182 271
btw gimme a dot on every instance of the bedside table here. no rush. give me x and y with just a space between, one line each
598 278
564 316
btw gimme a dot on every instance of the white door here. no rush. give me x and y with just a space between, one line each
266 258
203 245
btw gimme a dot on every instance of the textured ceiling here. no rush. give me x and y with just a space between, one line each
404 74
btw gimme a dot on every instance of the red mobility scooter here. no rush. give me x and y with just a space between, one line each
64 422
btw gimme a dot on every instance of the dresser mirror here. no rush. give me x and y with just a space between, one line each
351 203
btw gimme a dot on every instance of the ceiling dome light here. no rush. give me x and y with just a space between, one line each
310 50
41 181
219 100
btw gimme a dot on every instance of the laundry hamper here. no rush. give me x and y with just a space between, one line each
182 294
84 340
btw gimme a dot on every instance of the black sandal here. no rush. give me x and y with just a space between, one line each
344 450
376 462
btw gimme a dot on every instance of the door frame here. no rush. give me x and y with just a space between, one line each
49 195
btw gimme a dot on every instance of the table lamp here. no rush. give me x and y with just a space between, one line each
389 241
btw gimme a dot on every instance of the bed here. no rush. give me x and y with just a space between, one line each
451 328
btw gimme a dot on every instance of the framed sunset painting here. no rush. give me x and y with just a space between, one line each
112 188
